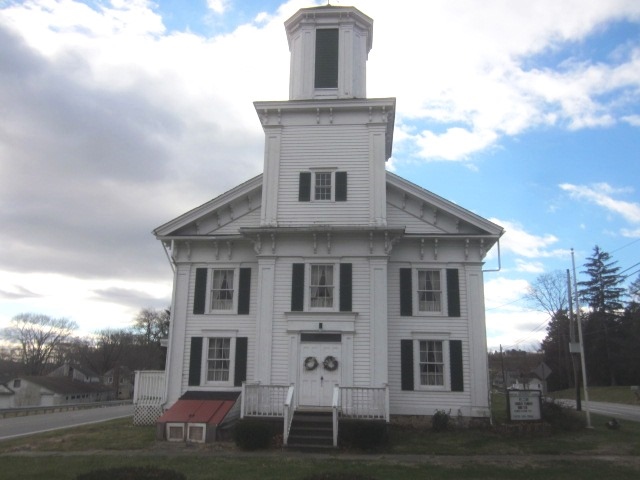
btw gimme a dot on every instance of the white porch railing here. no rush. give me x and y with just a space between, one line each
149 387
360 403
289 410
364 403
149 396
263 400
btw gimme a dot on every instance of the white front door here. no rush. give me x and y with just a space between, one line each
317 379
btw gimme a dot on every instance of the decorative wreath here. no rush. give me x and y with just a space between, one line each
310 363
330 363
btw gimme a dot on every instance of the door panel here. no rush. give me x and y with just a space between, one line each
316 385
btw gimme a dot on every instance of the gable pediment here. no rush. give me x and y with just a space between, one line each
224 215
422 212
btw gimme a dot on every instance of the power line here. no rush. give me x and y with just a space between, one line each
627 245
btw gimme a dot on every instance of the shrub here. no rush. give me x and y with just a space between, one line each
253 434
131 473
561 418
365 435
440 421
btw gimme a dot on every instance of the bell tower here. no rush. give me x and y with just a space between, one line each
329 48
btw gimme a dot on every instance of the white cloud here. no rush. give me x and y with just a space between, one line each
217 6
522 243
602 194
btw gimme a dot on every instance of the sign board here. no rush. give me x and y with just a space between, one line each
524 405
542 371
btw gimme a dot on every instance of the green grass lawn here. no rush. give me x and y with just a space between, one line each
490 452
601 394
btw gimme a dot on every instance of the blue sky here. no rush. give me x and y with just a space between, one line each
117 116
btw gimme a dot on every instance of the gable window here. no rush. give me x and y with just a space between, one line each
429 291
321 286
222 290
322 186
428 363
218 360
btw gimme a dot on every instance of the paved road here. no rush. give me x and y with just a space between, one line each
29 425
618 410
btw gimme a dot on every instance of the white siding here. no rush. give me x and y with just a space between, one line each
343 147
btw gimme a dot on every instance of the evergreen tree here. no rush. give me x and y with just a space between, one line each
603 337
602 291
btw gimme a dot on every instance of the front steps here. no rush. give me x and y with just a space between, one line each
311 431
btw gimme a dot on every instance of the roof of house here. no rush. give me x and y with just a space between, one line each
65 385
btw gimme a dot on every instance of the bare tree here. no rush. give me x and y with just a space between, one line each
549 293
37 337
152 325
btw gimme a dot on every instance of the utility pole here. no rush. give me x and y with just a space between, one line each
584 367
574 347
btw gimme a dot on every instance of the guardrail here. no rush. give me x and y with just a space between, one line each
38 410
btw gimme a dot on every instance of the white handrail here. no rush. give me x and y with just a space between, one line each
263 400
365 403
289 410
335 406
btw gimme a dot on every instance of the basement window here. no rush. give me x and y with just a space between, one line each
175 432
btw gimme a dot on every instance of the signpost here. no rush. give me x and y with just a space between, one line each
524 405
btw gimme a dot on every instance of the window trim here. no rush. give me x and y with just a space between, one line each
446 361
314 173
209 297
415 273
336 287
204 371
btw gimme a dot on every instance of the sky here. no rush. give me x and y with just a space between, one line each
118 116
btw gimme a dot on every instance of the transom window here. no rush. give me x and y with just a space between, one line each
431 363
321 286
218 359
429 291
222 290
322 186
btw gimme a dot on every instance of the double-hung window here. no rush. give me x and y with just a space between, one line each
322 185
219 359
321 286
431 363
322 188
222 289
429 291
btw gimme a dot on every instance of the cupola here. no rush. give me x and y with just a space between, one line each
329 47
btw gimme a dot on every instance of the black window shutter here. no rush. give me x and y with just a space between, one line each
453 292
244 291
406 293
297 287
455 364
406 364
241 361
346 287
341 186
200 291
304 187
195 361
327 40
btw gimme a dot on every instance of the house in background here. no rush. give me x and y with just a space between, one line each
327 283
31 391
120 379
76 373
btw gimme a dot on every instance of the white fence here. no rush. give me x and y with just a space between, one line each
364 403
149 396
263 400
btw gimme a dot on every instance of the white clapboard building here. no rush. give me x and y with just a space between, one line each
327 282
